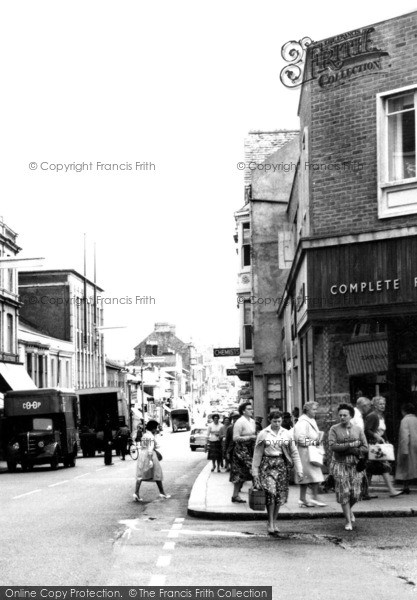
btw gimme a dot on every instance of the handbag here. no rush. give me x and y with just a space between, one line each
361 464
316 455
257 499
158 455
381 452
287 456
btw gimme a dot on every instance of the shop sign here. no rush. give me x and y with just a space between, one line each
367 357
218 352
367 274
230 372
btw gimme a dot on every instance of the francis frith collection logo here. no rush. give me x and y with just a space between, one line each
332 61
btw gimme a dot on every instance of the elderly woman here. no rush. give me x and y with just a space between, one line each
407 447
306 433
148 465
347 442
244 437
275 453
375 433
214 443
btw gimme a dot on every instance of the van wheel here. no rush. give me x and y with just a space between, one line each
24 466
55 461
11 466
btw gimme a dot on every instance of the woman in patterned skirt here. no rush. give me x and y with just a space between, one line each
348 443
244 436
275 453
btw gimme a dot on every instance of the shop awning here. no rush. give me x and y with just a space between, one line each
367 357
16 377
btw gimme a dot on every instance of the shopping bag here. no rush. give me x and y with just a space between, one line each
381 452
257 499
316 455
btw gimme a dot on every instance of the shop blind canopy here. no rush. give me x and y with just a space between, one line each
367 357
16 377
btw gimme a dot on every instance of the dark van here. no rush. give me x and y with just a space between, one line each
180 419
40 428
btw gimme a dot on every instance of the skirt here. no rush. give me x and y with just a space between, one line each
144 472
377 467
215 451
241 462
274 478
348 482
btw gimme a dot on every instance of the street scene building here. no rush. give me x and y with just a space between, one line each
281 462
348 315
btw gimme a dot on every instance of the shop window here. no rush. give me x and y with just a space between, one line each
397 134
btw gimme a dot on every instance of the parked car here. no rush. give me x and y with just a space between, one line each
198 438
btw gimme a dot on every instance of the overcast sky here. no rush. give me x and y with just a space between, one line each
178 84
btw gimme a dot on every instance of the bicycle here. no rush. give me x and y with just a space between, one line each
132 449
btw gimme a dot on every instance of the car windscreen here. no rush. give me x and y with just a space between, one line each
42 424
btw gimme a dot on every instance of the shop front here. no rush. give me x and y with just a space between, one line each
361 325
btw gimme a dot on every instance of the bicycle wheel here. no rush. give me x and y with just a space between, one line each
133 451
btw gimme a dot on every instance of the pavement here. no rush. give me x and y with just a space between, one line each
211 494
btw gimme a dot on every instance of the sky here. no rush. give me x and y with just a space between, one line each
175 84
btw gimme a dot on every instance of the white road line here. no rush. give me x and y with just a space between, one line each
179 520
84 475
173 534
102 469
157 580
176 526
26 494
169 546
59 483
163 561
213 533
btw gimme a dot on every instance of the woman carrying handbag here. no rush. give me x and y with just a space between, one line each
348 444
375 433
306 435
275 453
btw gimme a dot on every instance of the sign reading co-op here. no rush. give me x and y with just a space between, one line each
379 273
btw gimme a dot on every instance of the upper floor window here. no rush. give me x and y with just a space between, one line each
247 326
397 135
246 254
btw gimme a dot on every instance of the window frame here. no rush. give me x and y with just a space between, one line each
386 187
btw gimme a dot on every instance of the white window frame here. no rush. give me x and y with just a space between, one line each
394 197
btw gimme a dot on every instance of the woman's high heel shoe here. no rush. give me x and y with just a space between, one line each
302 504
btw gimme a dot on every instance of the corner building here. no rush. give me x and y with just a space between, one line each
349 313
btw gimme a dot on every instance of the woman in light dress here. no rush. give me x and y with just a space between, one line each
148 465
407 447
306 433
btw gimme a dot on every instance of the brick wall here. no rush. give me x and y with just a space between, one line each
343 127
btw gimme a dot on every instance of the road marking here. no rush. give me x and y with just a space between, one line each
157 580
59 483
26 494
173 534
102 469
179 520
176 526
84 475
213 533
169 546
163 561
